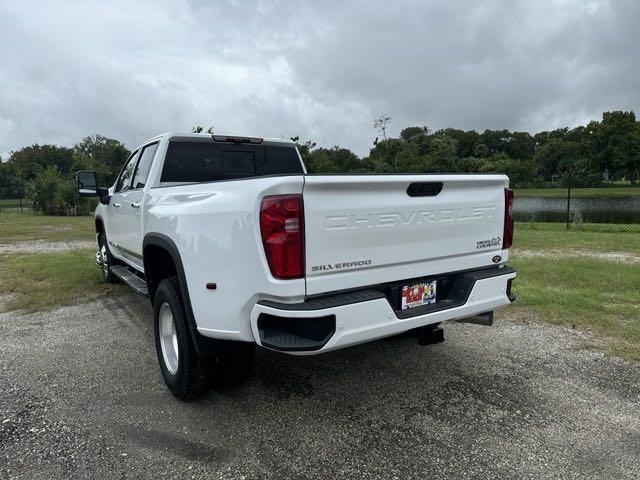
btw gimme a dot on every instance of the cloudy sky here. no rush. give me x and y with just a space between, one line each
322 70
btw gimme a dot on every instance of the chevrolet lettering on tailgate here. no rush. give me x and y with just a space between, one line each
415 217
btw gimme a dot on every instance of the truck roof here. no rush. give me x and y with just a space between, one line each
199 137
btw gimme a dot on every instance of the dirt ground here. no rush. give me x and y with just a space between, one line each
568 252
82 397
42 246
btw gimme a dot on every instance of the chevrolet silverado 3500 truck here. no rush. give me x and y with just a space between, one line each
236 245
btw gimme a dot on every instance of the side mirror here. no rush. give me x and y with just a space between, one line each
87 183
87 186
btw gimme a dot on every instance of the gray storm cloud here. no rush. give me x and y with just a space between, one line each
320 70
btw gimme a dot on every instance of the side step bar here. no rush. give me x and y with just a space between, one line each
131 279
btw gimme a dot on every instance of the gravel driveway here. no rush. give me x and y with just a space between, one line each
43 246
81 396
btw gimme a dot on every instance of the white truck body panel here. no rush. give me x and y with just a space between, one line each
362 322
215 227
370 219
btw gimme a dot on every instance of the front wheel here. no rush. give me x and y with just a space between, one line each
104 260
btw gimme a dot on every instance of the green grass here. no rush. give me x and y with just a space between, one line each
581 227
590 294
16 227
615 191
546 236
43 281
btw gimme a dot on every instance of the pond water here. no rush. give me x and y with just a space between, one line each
583 210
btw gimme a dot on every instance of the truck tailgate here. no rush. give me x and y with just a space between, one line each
363 230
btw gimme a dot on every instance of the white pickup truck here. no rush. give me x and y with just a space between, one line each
236 245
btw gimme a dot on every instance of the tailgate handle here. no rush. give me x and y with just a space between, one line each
424 189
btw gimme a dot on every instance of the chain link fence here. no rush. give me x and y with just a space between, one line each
13 200
19 205
613 207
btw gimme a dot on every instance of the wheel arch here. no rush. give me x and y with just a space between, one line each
157 249
99 222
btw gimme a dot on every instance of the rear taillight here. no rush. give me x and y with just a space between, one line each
507 234
282 229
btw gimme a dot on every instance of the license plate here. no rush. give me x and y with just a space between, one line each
418 294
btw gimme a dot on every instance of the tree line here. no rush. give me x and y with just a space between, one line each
588 156
45 173
603 151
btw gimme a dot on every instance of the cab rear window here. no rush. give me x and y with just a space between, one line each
190 162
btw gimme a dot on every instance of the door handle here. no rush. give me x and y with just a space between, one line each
135 205
117 205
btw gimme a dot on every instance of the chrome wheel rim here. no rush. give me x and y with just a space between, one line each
168 339
105 261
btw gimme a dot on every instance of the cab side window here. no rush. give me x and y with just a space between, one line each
124 180
144 165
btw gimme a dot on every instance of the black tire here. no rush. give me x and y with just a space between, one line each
107 260
193 374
